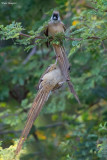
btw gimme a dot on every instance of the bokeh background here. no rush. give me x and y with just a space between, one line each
64 129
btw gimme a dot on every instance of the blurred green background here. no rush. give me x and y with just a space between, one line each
64 130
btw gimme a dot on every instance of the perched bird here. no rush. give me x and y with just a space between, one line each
56 26
50 81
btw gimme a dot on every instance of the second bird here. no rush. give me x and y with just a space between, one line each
51 80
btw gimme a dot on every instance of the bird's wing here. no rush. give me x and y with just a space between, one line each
46 31
46 34
37 105
47 70
63 26
50 68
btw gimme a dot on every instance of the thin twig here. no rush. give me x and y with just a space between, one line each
52 125
74 39
39 128
33 51
26 35
94 37
7 132
96 9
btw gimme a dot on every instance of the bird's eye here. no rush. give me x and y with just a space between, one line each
69 68
54 67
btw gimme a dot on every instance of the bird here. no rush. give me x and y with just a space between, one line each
50 81
54 27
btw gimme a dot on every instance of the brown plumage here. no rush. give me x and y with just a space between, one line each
33 113
51 80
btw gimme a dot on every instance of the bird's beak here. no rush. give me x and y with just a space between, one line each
54 18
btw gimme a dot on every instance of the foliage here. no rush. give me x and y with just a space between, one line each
64 130
9 153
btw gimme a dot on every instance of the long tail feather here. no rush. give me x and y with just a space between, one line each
65 57
32 115
62 60
73 91
64 66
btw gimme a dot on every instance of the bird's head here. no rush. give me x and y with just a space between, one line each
55 17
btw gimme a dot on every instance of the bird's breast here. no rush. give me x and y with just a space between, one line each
54 28
51 79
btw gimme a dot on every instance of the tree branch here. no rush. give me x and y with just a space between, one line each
90 7
69 38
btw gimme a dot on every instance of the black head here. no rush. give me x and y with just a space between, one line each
55 16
